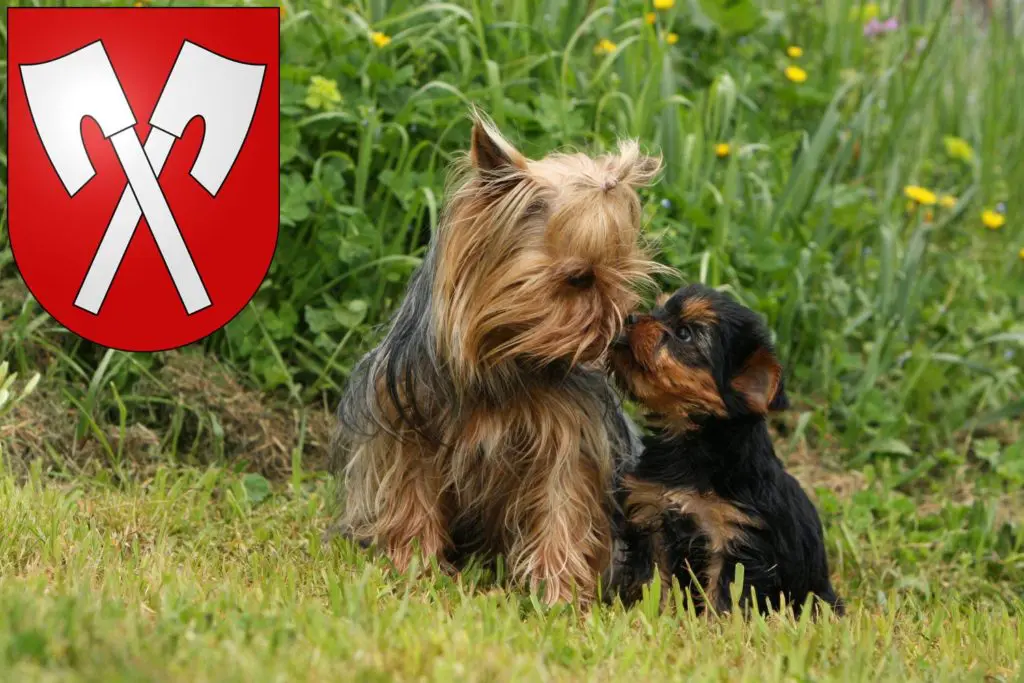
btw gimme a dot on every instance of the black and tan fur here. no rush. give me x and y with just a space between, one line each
483 423
709 492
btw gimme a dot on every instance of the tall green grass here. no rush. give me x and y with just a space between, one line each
901 333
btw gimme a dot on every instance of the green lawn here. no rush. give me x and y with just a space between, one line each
185 578
161 514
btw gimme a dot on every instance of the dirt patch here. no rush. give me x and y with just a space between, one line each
225 418
191 411
814 465
814 469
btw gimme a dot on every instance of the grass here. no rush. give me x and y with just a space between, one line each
162 513
186 578
899 325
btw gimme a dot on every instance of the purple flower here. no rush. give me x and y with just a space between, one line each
876 28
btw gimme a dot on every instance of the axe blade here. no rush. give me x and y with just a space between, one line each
63 91
221 91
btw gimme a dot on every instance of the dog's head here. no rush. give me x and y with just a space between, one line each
699 354
539 260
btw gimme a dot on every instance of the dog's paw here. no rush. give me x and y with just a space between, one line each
342 531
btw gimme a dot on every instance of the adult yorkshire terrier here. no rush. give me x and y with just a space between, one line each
709 492
482 423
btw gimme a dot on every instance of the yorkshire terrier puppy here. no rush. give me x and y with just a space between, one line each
709 493
483 422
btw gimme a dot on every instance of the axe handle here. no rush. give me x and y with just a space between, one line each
120 231
143 183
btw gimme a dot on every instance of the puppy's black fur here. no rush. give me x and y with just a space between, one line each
709 492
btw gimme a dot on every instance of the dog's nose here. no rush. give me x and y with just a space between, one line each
631 319
621 341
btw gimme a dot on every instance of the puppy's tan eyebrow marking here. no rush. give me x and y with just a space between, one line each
699 310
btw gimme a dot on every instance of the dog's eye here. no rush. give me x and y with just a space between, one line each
684 334
581 280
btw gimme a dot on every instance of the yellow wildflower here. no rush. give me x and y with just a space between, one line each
870 11
795 51
1021 253
380 39
947 201
958 148
604 47
722 149
664 4
650 18
796 74
992 219
920 195
322 93
672 38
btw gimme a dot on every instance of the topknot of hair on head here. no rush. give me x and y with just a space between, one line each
632 167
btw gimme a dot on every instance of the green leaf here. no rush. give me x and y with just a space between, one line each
290 141
891 447
257 488
732 17
294 200
320 320
350 315
281 324
988 450
1005 336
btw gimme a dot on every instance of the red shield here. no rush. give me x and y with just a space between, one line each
108 253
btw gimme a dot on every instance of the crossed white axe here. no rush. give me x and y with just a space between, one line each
83 83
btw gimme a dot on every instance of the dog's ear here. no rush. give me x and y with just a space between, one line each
760 381
490 153
781 400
